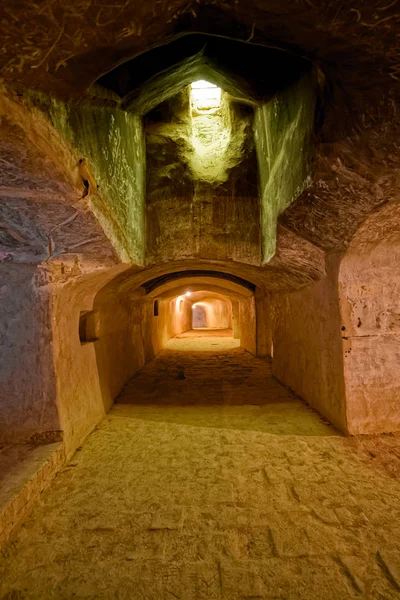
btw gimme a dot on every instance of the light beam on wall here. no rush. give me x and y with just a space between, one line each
205 95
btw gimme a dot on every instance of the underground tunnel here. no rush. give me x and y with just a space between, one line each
199 247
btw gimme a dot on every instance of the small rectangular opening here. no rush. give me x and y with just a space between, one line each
88 326
155 308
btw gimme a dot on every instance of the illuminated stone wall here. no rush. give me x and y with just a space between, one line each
187 215
112 142
283 130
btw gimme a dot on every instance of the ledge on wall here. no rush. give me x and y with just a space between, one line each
25 472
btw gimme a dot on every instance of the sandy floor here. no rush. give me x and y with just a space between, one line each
203 340
209 480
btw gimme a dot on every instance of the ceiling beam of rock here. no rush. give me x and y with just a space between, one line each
161 280
351 179
296 255
182 286
287 276
32 156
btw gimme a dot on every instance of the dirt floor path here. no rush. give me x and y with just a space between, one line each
211 481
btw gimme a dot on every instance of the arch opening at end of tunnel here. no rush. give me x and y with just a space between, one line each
199 317
203 303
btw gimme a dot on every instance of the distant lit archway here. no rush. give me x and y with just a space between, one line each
199 317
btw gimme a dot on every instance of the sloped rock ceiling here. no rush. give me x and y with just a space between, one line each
63 48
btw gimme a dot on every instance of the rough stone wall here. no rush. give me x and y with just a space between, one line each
28 394
282 129
43 213
174 317
188 218
264 324
112 141
247 318
369 298
235 319
307 349
90 374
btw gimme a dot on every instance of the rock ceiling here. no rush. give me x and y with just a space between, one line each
63 48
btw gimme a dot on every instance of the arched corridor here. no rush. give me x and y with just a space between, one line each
199 320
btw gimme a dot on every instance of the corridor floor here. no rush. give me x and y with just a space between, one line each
211 481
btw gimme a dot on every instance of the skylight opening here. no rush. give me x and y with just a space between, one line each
205 95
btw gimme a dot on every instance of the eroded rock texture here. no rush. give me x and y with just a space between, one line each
116 194
202 193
